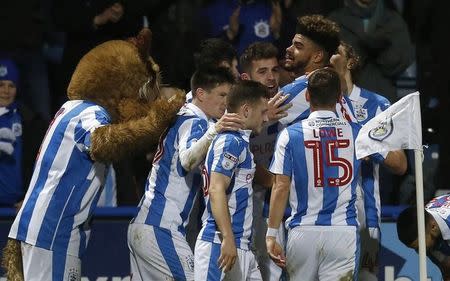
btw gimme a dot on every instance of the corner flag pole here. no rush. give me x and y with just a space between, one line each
420 215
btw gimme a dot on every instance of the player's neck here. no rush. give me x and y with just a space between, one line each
322 108
348 85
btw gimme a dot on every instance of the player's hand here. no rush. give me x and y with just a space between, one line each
276 109
369 259
228 254
275 252
229 122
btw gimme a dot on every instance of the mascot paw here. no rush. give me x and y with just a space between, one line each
12 261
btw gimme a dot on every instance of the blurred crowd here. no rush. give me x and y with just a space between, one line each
399 43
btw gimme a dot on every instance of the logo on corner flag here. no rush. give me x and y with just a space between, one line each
383 130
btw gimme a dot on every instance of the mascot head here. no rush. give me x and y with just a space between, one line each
120 76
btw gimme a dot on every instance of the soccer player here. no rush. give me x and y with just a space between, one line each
222 251
314 164
259 63
315 41
213 53
437 231
156 236
366 105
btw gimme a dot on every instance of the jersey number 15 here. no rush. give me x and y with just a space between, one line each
331 160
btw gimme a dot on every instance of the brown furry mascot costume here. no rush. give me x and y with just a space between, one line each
113 109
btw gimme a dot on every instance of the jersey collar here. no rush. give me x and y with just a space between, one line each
322 114
245 134
197 111
355 94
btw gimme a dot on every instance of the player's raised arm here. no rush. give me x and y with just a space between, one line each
396 162
219 207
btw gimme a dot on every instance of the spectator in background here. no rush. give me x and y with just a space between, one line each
380 36
90 23
11 189
243 22
23 26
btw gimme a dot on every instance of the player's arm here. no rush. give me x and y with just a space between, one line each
442 261
219 207
263 177
396 162
278 200
191 157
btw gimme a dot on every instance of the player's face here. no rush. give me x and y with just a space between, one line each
7 92
233 67
299 54
266 72
257 116
215 102
339 61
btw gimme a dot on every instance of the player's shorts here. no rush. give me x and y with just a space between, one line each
269 270
207 268
159 254
42 265
326 253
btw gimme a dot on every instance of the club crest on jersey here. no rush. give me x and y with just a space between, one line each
262 29
360 113
383 130
229 161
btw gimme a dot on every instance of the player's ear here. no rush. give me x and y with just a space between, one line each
200 94
434 228
318 56
307 96
245 76
245 110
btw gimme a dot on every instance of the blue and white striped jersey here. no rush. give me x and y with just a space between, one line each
318 155
300 107
66 183
300 111
170 189
367 105
230 155
189 97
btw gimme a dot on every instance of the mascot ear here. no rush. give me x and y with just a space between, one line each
143 43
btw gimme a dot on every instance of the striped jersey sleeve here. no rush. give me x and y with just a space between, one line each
282 157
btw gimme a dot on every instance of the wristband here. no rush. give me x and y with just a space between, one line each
272 232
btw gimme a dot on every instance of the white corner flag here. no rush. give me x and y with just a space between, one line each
398 127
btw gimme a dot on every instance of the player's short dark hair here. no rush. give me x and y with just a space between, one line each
209 78
324 87
214 51
257 51
350 53
407 225
245 91
322 31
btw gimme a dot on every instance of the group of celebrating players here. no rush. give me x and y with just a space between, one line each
284 195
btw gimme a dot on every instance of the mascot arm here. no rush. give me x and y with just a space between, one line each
113 142
195 154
